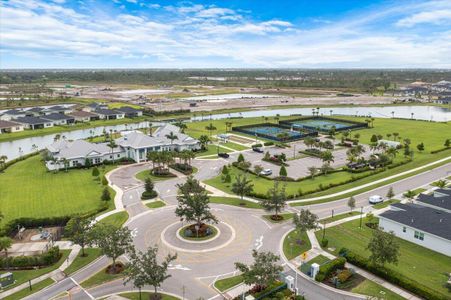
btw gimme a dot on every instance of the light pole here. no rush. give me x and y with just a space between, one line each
361 215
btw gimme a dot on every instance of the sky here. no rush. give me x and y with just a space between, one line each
225 34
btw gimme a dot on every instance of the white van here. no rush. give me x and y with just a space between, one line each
376 199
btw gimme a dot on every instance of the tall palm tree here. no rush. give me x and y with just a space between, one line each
210 128
171 136
242 186
327 157
112 144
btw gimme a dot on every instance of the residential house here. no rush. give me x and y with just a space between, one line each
426 222
109 114
33 122
130 112
11 114
439 199
58 109
8 127
76 153
94 106
84 116
59 119
35 111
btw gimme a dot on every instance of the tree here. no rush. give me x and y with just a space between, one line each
447 143
144 269
410 195
78 229
193 203
267 156
420 147
5 244
305 220
351 203
240 158
171 136
383 247
283 171
276 200
326 168
210 128
264 271
3 159
112 144
440 183
113 241
106 196
181 125
204 140
373 139
258 169
95 172
149 191
312 171
390 193
242 186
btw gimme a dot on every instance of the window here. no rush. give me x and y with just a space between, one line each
404 229
419 235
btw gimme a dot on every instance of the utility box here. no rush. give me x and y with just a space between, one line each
6 279
289 280
314 269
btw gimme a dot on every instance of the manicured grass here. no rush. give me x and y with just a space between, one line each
415 262
26 291
155 204
117 219
211 150
23 276
235 146
147 295
234 202
370 288
419 191
146 173
102 139
99 278
286 217
58 129
227 283
291 247
27 189
81 261
113 105
340 216
385 203
320 259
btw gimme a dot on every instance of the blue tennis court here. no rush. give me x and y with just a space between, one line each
323 124
274 132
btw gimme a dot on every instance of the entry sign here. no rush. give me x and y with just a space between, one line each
6 279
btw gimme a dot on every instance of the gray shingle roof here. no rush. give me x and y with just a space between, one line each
128 109
423 218
31 120
108 112
79 149
57 117
440 198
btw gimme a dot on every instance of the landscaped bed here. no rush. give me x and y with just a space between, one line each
295 244
203 233
227 283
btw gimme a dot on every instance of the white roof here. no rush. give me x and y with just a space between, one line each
79 149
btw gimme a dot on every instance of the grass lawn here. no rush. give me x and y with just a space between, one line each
291 246
419 191
226 283
211 150
146 295
415 262
370 288
234 202
320 259
99 278
28 190
113 105
339 217
155 204
286 217
35 288
117 219
235 146
386 203
146 173
81 261
25 275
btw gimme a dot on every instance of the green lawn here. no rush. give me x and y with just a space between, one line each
286 217
386 203
28 190
23 276
99 278
147 295
235 146
211 150
155 204
117 219
234 202
340 216
35 288
320 259
146 173
81 261
370 288
291 247
415 262
227 283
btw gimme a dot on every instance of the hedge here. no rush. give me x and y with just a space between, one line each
268 143
29 262
392 276
148 195
440 150
13 161
325 270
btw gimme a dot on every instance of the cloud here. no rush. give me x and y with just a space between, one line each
436 17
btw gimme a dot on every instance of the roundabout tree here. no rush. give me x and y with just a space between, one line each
194 206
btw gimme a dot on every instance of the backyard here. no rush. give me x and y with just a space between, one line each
27 189
415 262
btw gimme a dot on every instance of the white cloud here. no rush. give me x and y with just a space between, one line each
436 17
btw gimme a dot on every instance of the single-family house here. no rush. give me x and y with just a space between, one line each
60 109
11 114
109 114
130 112
8 127
33 122
425 225
438 199
84 116
35 111
59 119
94 106
77 153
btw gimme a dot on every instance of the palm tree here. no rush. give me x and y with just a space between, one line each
181 125
112 145
242 186
392 151
210 128
204 140
65 163
171 136
327 157
228 126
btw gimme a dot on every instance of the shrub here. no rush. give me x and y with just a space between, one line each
104 181
28 262
344 275
268 143
325 270
324 243
148 195
257 145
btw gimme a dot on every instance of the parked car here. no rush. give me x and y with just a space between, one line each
223 155
266 172
257 149
376 199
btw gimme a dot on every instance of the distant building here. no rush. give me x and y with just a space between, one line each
109 114
130 112
59 119
11 114
33 122
84 116
9 127
94 106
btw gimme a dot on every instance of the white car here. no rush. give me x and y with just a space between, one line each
376 199
266 172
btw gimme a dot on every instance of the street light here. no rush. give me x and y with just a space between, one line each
361 214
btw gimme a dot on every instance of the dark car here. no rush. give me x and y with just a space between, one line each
223 155
257 149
